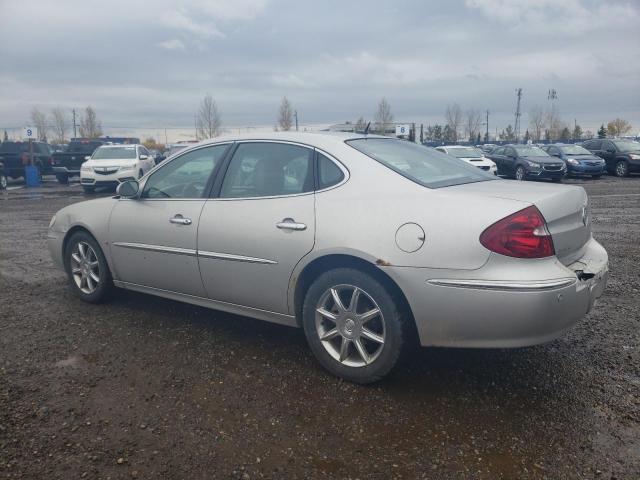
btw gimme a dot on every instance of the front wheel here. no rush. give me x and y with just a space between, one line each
622 169
62 178
87 268
3 181
353 325
520 173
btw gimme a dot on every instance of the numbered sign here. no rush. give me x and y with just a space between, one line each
402 130
29 132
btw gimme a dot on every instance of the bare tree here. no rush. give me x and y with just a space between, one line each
537 123
90 126
208 119
472 124
360 125
60 124
383 116
39 121
285 115
618 127
553 123
453 118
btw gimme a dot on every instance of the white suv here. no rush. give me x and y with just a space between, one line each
113 164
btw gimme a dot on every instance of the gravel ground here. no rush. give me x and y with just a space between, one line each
149 388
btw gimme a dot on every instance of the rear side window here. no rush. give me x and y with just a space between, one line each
329 174
593 144
264 169
423 165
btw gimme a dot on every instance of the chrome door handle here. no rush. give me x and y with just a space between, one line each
180 220
290 224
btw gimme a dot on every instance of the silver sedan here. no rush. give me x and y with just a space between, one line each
370 244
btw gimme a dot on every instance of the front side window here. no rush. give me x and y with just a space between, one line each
498 151
593 144
329 174
186 176
423 165
261 169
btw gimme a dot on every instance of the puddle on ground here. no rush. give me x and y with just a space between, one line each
75 361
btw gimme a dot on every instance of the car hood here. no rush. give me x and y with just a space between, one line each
586 157
542 159
477 161
128 162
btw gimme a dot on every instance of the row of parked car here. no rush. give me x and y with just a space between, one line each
594 158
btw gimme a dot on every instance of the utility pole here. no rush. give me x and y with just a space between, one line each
195 124
487 125
295 114
74 123
516 127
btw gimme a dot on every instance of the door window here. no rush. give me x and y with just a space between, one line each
498 151
186 176
593 144
263 169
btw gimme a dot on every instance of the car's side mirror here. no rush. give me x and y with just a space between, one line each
128 189
144 157
88 157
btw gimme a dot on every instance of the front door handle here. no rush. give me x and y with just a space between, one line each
180 220
290 224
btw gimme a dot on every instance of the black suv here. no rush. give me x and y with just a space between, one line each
622 156
524 162
15 155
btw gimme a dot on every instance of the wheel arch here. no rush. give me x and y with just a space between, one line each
307 274
83 228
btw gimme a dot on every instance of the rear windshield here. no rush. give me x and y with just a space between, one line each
421 164
14 147
114 153
83 147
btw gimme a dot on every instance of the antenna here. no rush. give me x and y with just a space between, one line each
518 114
366 129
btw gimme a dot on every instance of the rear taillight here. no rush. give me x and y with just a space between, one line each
523 235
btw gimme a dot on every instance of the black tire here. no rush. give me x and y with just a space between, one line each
622 168
396 331
88 190
105 286
3 181
520 172
62 178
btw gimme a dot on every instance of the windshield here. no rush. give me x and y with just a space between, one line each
464 152
114 153
528 151
13 147
421 164
575 150
628 146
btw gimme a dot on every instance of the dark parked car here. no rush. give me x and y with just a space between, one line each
15 155
67 164
524 162
579 160
3 178
622 156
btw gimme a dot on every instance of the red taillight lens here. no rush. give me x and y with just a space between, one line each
523 235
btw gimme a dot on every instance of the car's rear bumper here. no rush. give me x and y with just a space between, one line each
471 309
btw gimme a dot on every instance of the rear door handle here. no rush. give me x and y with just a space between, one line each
180 220
290 224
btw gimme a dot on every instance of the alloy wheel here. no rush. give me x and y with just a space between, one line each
350 325
85 268
3 182
520 173
621 169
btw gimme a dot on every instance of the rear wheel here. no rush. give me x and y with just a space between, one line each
520 173
622 168
353 325
87 268
62 178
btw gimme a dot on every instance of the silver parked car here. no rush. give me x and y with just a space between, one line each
368 243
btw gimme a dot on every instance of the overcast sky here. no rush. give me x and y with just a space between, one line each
148 64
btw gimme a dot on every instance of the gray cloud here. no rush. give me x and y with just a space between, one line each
149 64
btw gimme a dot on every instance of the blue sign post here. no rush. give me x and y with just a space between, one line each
31 173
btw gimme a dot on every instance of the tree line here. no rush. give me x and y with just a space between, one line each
56 126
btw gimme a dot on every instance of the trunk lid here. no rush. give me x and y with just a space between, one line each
564 207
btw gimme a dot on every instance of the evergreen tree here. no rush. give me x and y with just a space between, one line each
602 131
527 136
577 132
565 134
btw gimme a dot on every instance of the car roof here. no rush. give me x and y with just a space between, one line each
319 139
121 145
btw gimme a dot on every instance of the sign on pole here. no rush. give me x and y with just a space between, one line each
402 130
29 133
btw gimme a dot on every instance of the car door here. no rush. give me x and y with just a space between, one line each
153 238
594 147
259 225
497 156
608 151
511 160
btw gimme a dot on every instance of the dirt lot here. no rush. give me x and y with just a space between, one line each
149 388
